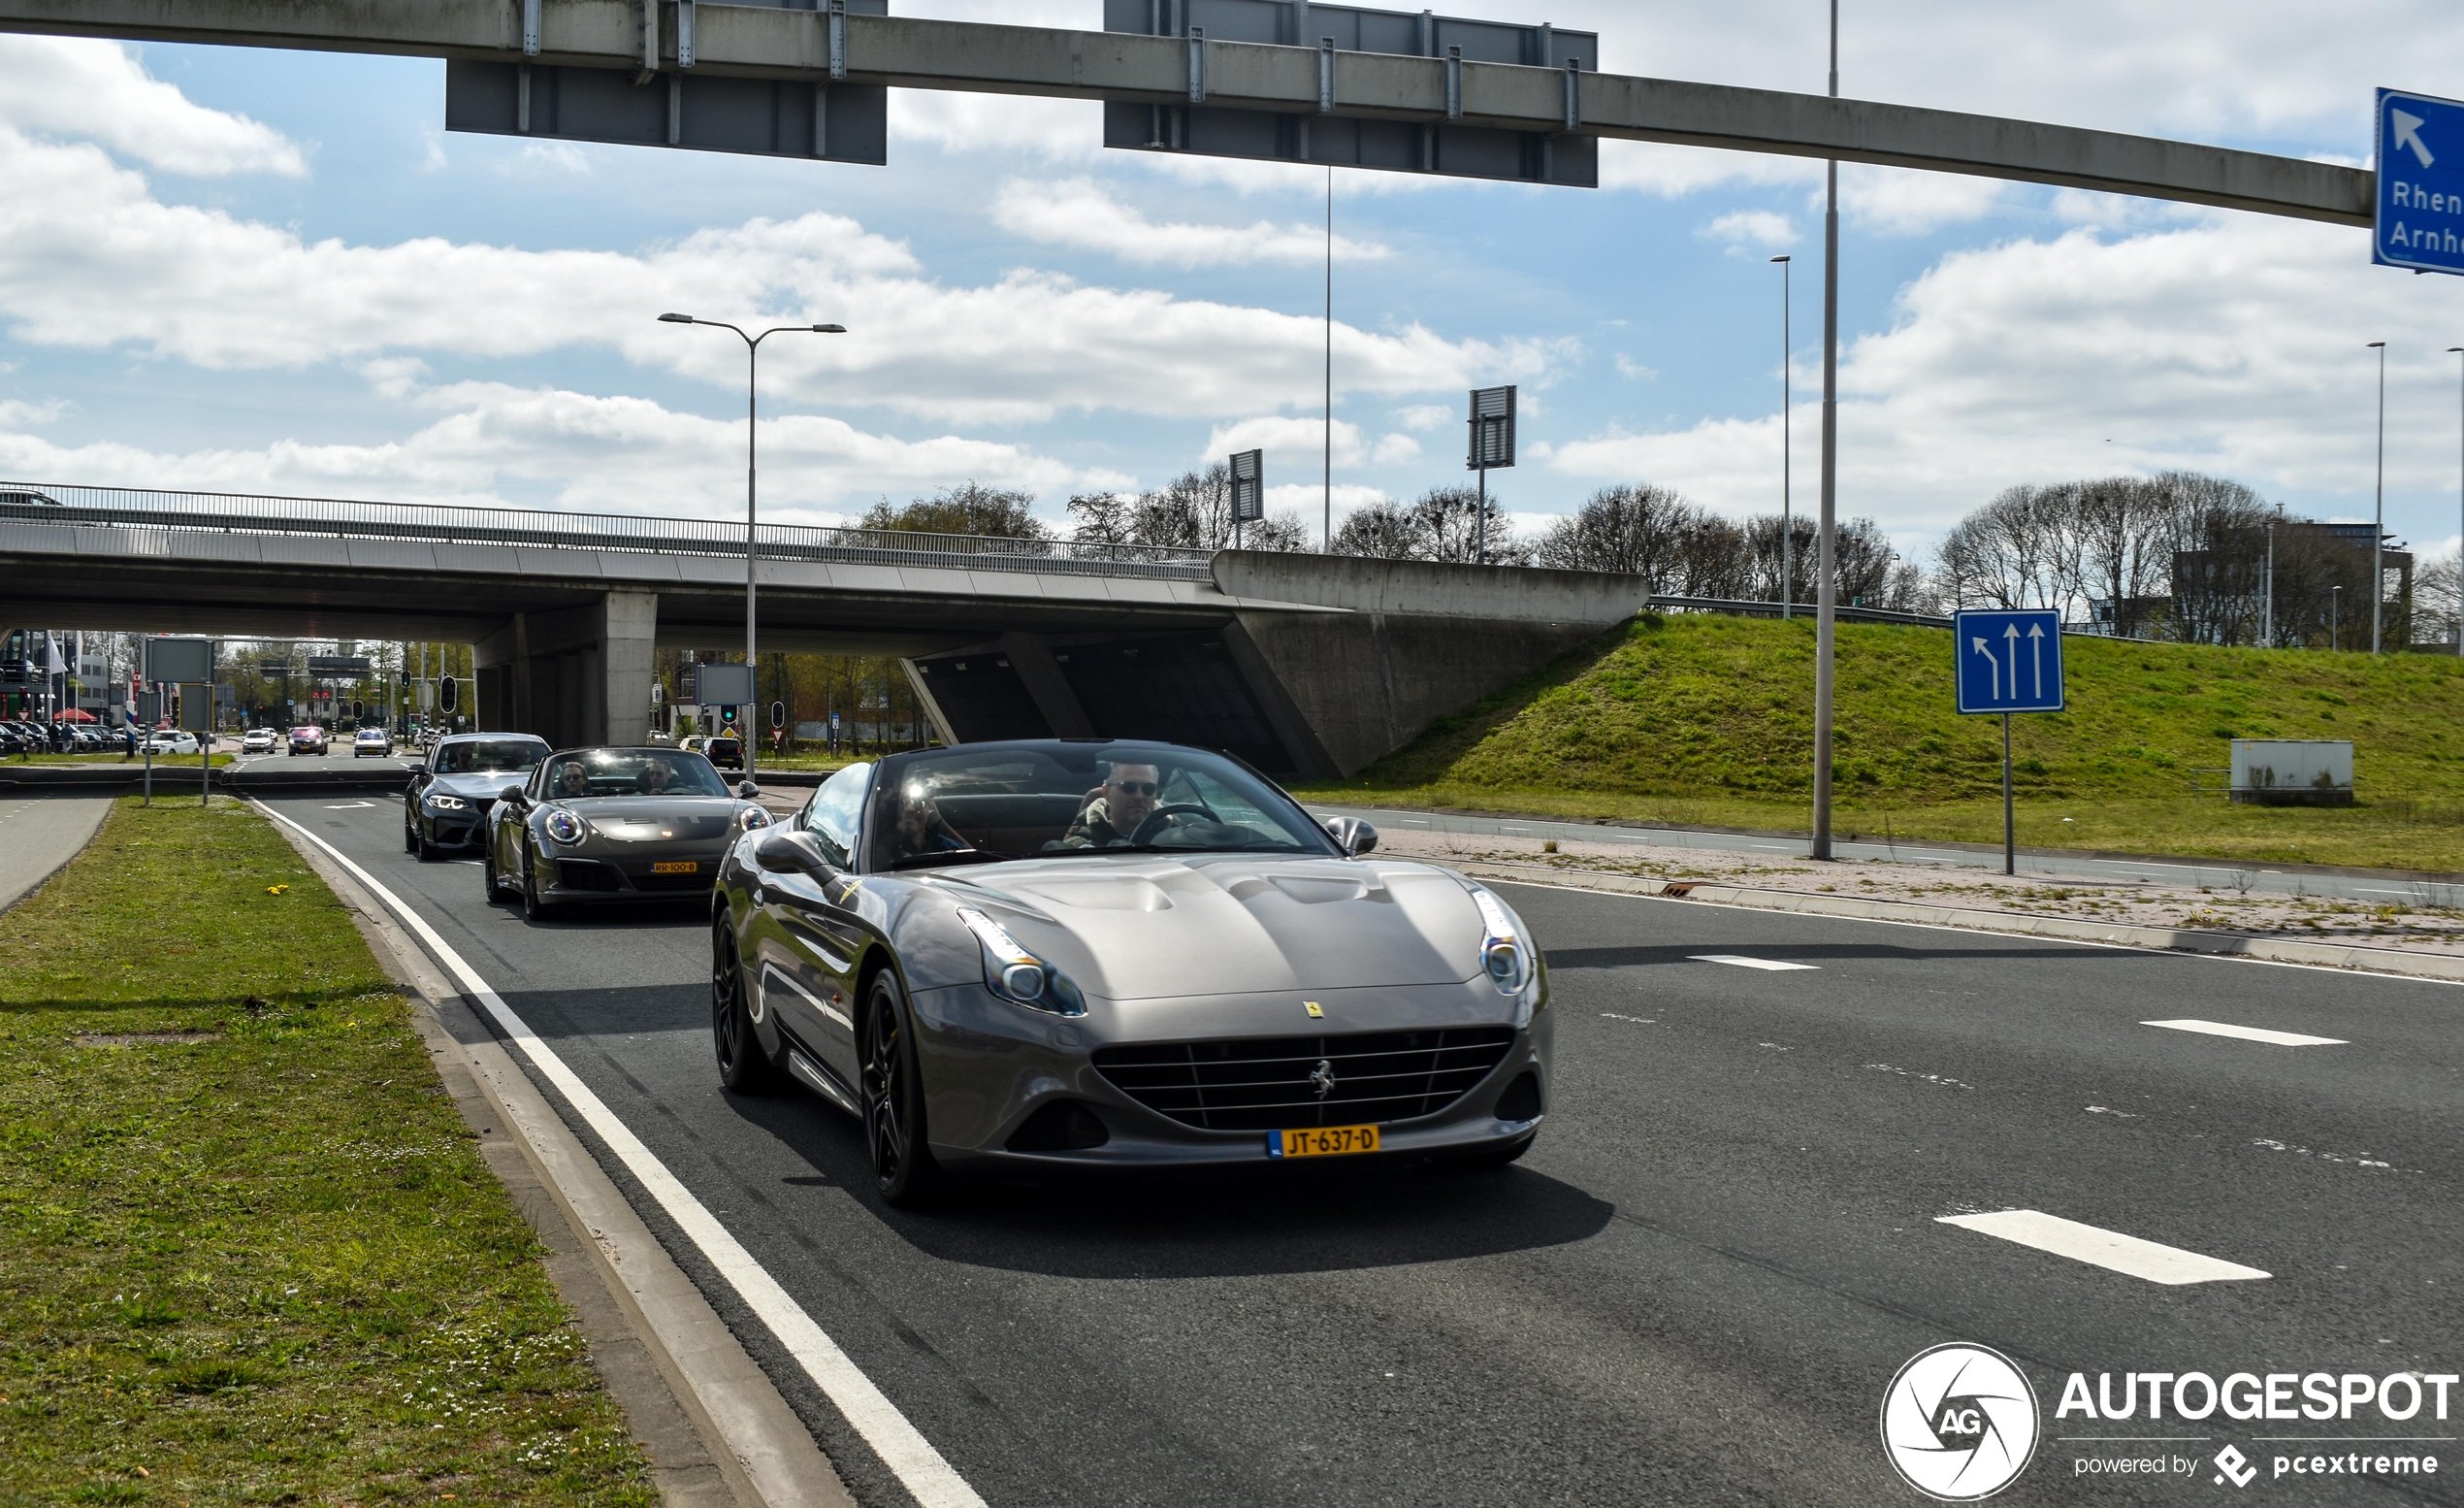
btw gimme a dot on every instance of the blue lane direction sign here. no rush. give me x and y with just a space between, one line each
2009 662
2420 212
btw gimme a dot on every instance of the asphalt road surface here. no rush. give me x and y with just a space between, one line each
2080 869
1696 1287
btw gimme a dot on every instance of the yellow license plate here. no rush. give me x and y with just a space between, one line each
1322 1141
676 867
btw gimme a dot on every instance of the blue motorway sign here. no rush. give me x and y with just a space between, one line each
2009 662
2421 218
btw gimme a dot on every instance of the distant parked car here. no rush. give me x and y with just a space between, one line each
308 740
257 740
371 740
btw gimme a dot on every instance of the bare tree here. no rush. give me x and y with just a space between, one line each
1191 512
1453 524
1382 529
1633 528
2438 600
2010 553
999 512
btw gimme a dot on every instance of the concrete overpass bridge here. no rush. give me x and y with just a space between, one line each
1306 664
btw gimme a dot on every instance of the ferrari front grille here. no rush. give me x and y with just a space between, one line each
1275 1083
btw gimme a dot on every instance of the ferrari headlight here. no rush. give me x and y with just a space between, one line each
1018 976
443 802
1505 956
563 827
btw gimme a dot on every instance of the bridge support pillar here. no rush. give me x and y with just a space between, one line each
574 676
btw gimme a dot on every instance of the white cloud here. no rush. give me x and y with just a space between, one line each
85 87
1395 449
1078 212
1310 499
90 258
1424 415
15 412
1903 201
2233 346
1291 443
1633 370
545 159
490 443
1760 229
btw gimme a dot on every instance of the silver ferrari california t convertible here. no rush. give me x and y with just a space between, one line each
614 824
1111 954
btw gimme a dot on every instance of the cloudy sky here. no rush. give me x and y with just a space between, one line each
269 272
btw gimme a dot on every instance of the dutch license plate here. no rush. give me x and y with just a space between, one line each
1322 1141
676 867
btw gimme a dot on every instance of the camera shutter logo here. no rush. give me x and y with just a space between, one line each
1959 1422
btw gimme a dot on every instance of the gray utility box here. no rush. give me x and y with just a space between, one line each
2292 771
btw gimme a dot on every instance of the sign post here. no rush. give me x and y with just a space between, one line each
1492 424
2419 220
1249 490
2007 661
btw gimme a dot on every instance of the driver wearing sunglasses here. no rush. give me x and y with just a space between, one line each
1126 800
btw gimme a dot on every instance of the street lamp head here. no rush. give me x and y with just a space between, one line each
2375 345
2454 349
830 329
1779 259
675 319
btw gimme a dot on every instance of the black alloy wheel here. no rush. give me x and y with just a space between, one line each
410 833
426 850
494 884
903 1169
533 908
744 1069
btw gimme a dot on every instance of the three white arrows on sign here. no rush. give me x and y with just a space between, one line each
2036 656
2408 133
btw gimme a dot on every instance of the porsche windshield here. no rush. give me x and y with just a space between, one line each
596 773
978 805
489 754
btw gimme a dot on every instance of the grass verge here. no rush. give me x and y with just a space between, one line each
1705 720
248 1251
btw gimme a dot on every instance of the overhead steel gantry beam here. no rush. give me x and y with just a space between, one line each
764 42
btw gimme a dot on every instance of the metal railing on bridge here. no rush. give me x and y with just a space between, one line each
226 512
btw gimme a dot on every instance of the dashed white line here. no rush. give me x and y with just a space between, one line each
901 1446
2110 1249
1771 964
2251 1033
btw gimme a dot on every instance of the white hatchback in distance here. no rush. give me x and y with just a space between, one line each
371 740
257 740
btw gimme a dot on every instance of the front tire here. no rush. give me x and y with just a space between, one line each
533 908
744 1066
904 1173
494 881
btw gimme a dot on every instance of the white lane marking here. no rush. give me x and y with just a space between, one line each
2157 1264
901 1446
351 806
2250 1033
1771 964
2368 891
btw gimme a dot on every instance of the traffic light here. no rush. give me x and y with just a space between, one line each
448 694
726 717
358 709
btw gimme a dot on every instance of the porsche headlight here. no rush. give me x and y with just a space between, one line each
439 802
563 827
755 817
1505 956
1018 976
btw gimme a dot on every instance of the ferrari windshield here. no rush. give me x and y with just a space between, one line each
480 755
597 773
973 805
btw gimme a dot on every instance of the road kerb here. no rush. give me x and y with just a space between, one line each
762 1451
2217 944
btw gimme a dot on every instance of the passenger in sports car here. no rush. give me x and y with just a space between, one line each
1127 799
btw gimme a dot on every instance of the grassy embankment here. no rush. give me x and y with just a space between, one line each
257 1259
136 761
1703 720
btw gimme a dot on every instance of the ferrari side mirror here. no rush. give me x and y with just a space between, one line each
1357 836
786 851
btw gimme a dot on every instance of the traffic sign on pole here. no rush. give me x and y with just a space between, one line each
2009 662
2421 206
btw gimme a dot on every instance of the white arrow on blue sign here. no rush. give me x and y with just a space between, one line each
2009 662
2420 212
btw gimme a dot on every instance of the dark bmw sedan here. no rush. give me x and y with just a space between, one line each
452 791
615 824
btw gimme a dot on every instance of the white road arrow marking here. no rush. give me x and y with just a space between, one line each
2010 631
1990 660
2408 133
2036 653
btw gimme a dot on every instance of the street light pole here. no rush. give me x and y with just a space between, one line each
1826 599
2378 524
1787 574
2335 618
749 736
